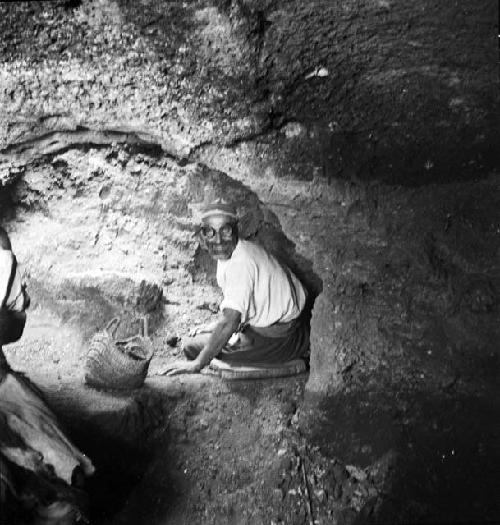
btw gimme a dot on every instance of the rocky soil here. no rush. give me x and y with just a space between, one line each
196 449
359 142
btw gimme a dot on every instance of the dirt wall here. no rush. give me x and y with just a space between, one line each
367 129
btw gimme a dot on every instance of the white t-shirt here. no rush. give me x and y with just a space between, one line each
255 284
15 300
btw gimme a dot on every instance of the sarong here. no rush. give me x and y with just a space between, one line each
278 343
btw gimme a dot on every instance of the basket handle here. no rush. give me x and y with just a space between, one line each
140 338
112 326
145 326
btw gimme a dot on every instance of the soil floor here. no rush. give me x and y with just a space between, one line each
292 91
199 450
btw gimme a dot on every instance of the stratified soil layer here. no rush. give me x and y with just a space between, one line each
359 143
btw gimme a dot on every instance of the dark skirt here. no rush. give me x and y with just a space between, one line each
276 344
11 325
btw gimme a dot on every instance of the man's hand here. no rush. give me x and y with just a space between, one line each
196 330
224 328
181 367
203 329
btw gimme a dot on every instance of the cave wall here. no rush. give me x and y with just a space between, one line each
365 130
410 281
370 86
111 231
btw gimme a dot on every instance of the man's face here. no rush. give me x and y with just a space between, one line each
220 235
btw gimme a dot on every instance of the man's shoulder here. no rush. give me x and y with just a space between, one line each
247 254
240 254
250 248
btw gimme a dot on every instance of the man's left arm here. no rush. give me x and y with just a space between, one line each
225 328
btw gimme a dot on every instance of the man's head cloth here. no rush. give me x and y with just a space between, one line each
219 209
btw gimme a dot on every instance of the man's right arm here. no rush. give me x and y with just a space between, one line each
225 328
204 328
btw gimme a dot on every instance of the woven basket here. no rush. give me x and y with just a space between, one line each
118 364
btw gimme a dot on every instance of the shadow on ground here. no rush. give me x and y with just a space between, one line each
445 450
123 442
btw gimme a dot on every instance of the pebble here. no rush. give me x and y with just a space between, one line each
320 494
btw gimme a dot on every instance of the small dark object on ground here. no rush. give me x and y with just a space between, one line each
172 341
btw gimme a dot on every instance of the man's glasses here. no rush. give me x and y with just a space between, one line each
225 232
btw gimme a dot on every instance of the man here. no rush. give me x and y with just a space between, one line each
260 321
